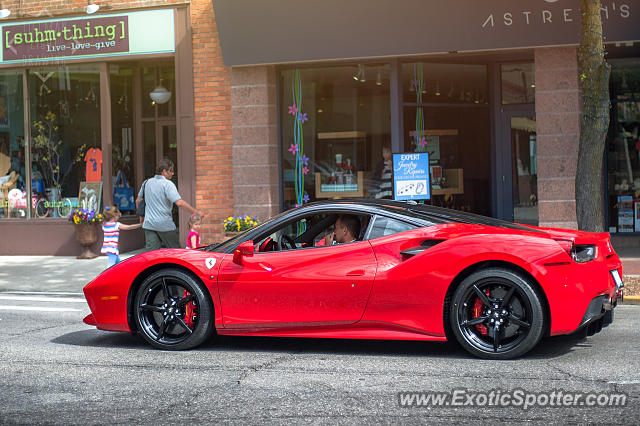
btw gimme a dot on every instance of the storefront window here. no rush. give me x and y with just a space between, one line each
518 83
122 138
623 147
455 136
13 194
65 135
444 83
335 122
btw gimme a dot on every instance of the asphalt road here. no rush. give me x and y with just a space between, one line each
56 370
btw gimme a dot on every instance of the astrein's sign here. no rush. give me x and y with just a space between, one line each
281 31
527 16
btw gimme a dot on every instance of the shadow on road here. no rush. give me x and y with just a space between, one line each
550 347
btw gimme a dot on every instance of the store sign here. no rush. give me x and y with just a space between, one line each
65 38
105 35
268 31
411 176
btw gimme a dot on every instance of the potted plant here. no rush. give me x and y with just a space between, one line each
235 225
86 230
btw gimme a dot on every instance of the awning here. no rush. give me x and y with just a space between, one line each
280 31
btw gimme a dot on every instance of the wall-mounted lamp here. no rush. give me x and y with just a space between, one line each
4 12
92 7
379 79
356 76
363 77
160 94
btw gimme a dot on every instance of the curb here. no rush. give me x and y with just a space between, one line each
631 300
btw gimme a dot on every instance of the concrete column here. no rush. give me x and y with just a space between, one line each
255 141
558 110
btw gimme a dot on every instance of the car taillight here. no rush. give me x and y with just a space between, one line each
584 253
580 253
567 246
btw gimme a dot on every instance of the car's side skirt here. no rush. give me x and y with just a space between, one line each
368 330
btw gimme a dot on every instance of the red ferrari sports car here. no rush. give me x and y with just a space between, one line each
413 272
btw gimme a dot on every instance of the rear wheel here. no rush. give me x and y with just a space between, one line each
496 313
172 310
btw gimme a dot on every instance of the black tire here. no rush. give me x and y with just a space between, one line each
173 311
496 314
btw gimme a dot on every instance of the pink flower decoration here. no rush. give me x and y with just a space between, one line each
293 149
423 142
293 110
305 170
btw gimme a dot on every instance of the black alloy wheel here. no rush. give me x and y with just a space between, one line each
172 310
496 314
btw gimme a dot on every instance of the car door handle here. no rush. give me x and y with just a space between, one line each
356 273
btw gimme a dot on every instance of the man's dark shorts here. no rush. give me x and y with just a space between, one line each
156 239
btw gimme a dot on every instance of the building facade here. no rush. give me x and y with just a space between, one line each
267 105
91 102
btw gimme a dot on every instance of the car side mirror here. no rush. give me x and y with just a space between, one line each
243 249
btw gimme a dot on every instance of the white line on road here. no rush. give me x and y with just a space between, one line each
37 308
53 293
43 299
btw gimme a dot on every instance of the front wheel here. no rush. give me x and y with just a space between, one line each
172 310
497 314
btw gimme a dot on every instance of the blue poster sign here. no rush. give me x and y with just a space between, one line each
411 176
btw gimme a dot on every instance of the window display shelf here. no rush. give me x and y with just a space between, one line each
341 135
454 183
340 190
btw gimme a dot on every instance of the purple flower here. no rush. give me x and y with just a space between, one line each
303 117
305 198
304 159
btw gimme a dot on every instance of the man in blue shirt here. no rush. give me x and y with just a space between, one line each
160 194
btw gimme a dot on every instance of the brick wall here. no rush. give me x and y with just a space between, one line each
255 141
21 9
558 128
212 108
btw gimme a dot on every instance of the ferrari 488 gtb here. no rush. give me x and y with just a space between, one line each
410 271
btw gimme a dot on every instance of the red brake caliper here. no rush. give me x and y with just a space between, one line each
189 311
477 311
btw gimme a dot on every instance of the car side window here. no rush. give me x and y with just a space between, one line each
383 226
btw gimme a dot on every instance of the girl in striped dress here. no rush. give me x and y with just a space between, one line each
111 229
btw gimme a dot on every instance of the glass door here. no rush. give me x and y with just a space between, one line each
524 171
169 145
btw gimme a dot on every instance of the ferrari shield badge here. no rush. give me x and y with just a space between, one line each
210 261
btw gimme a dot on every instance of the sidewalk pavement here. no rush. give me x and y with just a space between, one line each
68 274
51 273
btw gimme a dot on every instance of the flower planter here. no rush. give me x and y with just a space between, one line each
231 234
86 234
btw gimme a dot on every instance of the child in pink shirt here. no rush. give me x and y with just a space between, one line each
193 239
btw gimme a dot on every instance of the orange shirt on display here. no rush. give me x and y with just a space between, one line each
93 158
